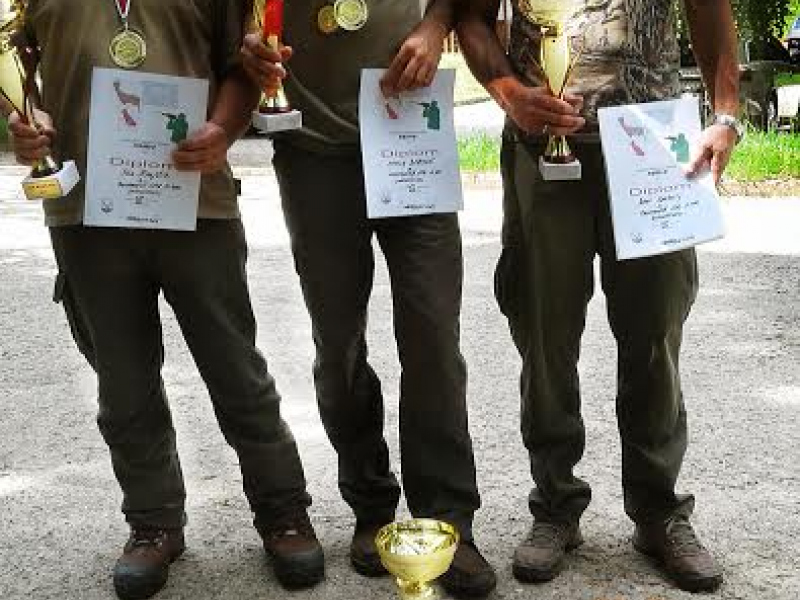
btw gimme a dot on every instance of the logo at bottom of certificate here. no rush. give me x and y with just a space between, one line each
386 197
107 205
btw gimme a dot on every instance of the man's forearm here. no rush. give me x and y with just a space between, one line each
482 49
714 41
441 14
237 98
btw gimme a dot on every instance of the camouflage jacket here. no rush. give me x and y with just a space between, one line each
627 51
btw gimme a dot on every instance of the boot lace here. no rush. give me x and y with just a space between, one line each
682 538
296 524
546 535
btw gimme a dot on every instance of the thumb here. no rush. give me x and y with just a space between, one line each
699 162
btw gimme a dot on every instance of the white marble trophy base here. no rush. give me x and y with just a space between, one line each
51 187
268 123
550 171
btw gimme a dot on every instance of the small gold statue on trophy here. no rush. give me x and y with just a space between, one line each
18 63
274 113
557 61
416 552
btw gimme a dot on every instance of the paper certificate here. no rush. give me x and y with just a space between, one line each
136 120
409 148
655 208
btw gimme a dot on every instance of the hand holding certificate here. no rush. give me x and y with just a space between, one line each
655 207
409 148
136 122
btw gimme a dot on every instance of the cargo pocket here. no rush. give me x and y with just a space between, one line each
62 294
508 282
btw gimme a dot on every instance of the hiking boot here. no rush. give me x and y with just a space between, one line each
470 575
143 568
364 553
538 558
292 545
676 549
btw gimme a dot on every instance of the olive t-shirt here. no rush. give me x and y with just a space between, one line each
325 71
74 36
627 51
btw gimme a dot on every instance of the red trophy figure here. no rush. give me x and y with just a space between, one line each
274 113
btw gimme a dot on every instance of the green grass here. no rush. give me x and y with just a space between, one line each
760 157
468 90
763 156
479 153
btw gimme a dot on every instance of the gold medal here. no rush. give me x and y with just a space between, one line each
351 15
326 20
128 49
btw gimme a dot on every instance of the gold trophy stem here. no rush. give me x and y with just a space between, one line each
274 99
414 590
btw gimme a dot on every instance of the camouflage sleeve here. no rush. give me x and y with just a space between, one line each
230 19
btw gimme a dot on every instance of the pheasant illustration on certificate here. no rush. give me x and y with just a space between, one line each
135 122
409 148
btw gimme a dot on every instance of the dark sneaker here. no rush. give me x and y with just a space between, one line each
677 550
470 575
297 557
363 553
143 568
538 558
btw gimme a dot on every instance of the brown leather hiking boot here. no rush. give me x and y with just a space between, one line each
538 558
677 550
363 553
143 568
297 557
470 575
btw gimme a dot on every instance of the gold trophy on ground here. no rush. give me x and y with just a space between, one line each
416 552
557 62
274 113
18 63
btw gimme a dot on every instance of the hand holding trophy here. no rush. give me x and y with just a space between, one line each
18 62
557 61
274 113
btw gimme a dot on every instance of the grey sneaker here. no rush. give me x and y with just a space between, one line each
675 548
538 558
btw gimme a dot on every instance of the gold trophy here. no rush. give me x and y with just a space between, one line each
416 552
557 62
18 63
274 113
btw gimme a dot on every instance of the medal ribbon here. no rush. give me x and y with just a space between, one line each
124 9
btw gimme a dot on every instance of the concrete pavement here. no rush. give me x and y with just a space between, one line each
59 519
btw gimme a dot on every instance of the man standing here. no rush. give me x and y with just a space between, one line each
110 280
321 178
544 280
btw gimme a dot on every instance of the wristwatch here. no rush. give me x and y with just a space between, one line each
730 121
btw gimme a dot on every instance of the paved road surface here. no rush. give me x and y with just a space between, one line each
61 528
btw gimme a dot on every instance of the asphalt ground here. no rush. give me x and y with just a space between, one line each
60 525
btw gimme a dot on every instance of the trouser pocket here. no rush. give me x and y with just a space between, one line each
62 294
508 282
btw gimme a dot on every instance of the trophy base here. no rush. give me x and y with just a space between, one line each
52 187
551 171
274 122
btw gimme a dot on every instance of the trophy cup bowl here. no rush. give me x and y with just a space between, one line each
416 552
274 113
557 63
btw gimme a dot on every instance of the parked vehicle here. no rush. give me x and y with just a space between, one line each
769 90
793 42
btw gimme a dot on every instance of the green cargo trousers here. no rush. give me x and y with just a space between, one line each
544 280
109 283
325 209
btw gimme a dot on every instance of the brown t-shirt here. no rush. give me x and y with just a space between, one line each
325 71
628 51
74 36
